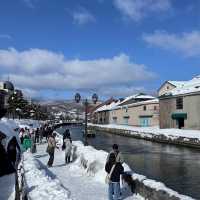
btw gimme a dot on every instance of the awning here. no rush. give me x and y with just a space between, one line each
179 115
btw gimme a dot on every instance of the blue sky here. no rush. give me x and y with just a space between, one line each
52 49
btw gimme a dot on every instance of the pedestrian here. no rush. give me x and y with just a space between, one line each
118 155
33 142
27 143
37 135
51 148
67 146
41 134
21 135
13 149
114 169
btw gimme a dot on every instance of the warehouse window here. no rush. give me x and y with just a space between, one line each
179 103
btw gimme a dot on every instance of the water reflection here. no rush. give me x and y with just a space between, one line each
177 167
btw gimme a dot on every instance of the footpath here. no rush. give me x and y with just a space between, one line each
72 181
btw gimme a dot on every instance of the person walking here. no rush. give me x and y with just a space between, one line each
51 148
67 146
114 169
41 134
37 135
21 135
118 155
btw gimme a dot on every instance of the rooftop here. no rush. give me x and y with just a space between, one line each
191 86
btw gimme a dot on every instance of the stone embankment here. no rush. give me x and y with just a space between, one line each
149 189
161 137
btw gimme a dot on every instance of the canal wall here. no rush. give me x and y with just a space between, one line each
153 190
175 139
93 162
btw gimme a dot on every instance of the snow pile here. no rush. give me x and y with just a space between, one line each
151 131
158 186
94 161
39 185
10 127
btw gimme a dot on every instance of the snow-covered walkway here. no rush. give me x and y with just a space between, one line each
74 179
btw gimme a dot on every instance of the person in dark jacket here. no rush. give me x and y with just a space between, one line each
12 148
114 169
6 166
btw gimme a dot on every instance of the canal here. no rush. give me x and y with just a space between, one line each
177 167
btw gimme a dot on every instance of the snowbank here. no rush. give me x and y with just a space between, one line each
189 138
170 133
93 162
39 185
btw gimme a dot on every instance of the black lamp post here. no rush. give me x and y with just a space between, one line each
94 99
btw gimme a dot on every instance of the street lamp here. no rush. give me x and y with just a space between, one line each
78 99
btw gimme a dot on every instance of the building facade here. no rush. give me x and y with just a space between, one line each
141 114
168 86
180 108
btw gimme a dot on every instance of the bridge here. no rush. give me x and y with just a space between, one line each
68 123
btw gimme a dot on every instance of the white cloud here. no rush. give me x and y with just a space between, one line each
81 16
5 36
37 69
187 44
138 9
120 91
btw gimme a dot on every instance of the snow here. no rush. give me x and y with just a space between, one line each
108 107
177 83
40 185
190 86
137 96
7 185
8 126
82 179
155 100
151 131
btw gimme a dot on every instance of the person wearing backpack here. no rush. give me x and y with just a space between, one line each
114 169
67 146
118 154
51 148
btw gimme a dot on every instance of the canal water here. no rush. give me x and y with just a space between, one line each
177 167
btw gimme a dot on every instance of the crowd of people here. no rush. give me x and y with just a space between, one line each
67 147
10 154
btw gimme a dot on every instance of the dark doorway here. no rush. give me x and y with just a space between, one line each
180 123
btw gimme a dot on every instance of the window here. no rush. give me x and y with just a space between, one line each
155 108
179 103
167 87
144 108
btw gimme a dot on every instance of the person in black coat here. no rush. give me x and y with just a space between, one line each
12 148
6 166
114 169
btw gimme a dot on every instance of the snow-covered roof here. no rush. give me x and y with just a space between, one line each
177 83
152 101
144 102
137 96
108 107
191 86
